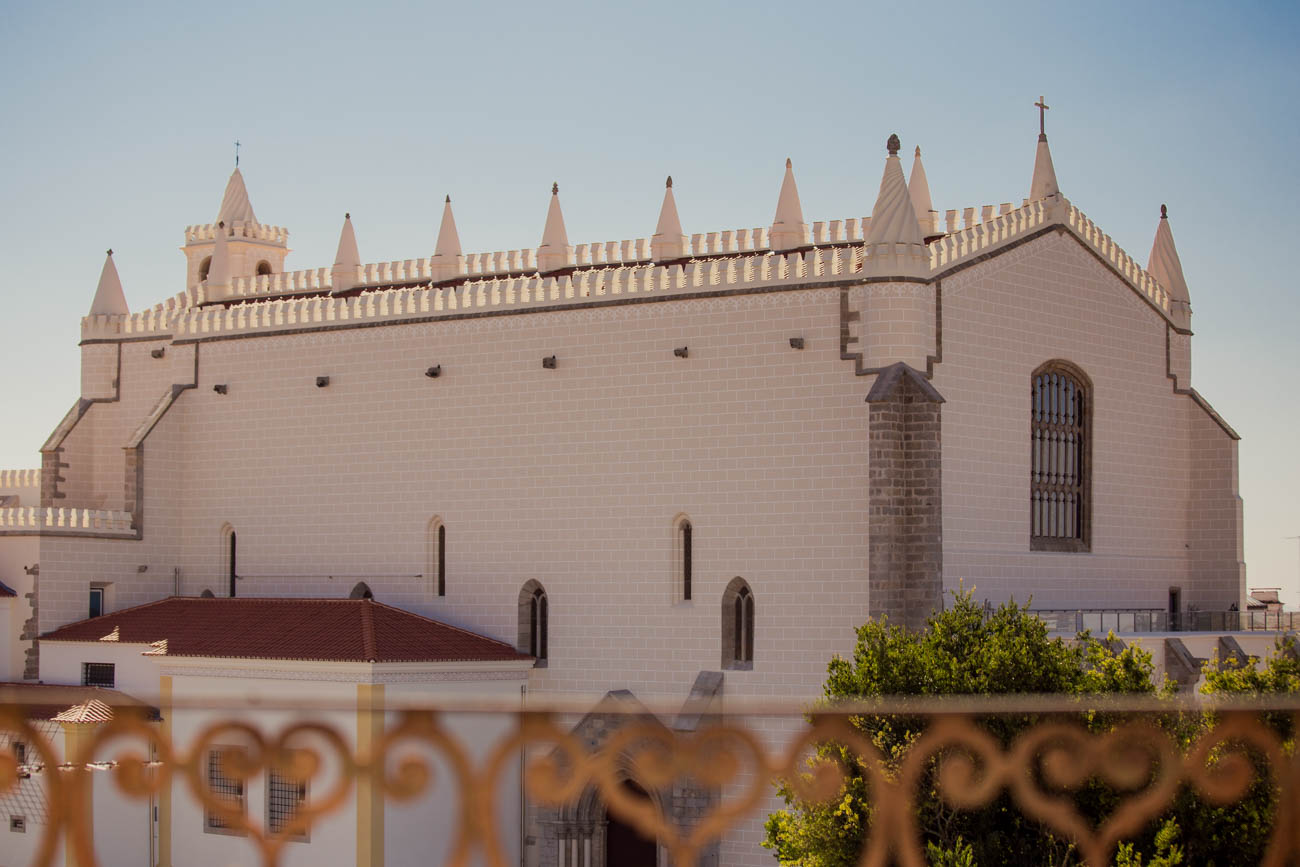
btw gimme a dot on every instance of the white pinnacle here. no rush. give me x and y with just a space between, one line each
448 238
347 259
668 241
789 231
1044 183
1167 268
554 252
110 300
918 188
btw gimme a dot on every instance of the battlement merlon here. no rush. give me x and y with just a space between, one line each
837 254
239 230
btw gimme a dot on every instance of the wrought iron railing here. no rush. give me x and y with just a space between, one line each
1135 620
1063 744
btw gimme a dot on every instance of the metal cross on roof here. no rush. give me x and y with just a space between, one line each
1042 115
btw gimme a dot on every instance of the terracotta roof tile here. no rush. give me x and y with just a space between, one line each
80 704
333 630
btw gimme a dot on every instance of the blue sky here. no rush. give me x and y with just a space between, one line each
121 118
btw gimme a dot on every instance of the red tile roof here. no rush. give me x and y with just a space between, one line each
83 704
333 630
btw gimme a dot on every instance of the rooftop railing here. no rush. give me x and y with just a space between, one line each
1137 620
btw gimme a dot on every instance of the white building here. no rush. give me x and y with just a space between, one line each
644 460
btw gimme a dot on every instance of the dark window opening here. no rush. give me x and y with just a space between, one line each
233 575
738 625
204 267
686 560
537 624
98 674
442 560
96 601
263 268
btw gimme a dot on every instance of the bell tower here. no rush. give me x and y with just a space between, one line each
254 248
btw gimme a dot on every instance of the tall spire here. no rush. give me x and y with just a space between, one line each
554 252
789 231
110 300
1044 183
1167 268
347 259
235 206
448 261
894 242
918 188
668 242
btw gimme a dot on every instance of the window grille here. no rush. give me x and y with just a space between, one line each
285 796
222 788
1059 460
98 674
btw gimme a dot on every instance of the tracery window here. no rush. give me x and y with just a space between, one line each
534 622
1060 458
738 625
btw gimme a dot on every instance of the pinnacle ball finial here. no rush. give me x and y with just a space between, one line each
1164 212
110 251
788 164
669 183
347 216
918 150
555 188
449 198
893 144
221 224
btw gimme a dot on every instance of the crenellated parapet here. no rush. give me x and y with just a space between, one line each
14 479
238 229
155 321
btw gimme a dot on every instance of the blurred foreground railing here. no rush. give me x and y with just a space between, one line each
1136 620
1062 746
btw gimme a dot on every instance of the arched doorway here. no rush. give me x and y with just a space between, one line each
624 845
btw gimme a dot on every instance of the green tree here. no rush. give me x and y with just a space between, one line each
963 650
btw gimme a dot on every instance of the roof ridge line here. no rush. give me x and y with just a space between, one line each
442 623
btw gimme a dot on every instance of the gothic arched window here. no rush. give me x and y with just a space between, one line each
533 622
738 625
437 569
1060 460
263 268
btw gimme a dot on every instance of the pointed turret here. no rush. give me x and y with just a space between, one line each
668 242
347 259
217 287
554 252
789 231
1167 268
918 188
1043 184
110 300
448 261
235 206
894 243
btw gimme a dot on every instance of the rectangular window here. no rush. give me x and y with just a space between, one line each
223 789
96 601
285 796
18 824
20 752
98 674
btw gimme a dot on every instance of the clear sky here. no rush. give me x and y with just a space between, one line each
120 121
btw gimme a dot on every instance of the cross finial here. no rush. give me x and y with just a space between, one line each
1042 117
236 154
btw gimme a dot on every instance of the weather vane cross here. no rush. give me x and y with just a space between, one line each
237 153
1042 115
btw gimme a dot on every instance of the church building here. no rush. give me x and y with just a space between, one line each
673 469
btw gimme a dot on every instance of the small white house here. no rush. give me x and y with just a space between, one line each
226 673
